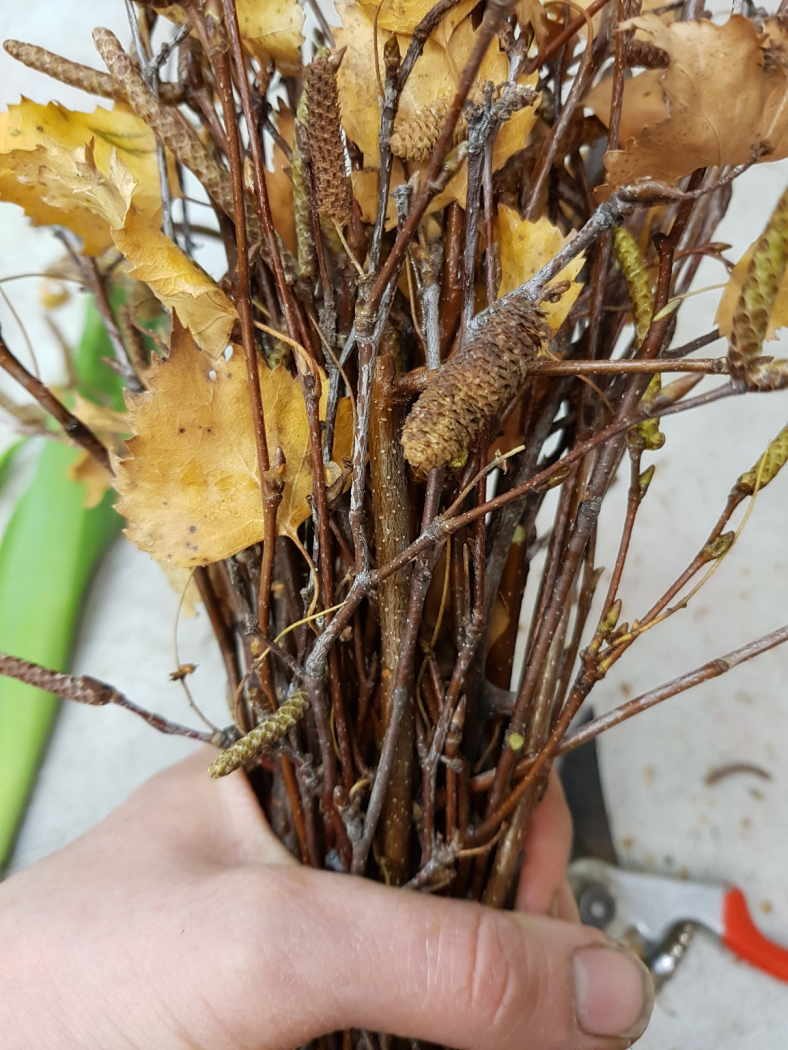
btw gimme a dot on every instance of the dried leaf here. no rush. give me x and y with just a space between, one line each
74 179
97 479
402 16
38 147
531 12
182 583
272 29
365 191
178 282
643 103
526 247
434 75
280 185
725 92
190 488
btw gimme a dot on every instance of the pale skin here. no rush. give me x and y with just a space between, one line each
181 923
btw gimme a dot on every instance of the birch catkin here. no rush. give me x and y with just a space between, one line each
170 126
635 274
76 75
764 274
326 148
262 737
473 387
414 137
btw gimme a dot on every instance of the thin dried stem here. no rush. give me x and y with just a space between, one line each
74 429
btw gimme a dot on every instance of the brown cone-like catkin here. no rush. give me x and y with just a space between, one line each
171 127
262 737
83 77
326 148
414 138
474 386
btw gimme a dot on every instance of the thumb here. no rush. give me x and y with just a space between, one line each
456 973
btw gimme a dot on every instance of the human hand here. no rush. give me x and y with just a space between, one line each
181 922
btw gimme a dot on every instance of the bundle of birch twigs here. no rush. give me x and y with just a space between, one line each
457 240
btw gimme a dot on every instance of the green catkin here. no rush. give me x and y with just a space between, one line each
262 737
759 290
635 274
769 465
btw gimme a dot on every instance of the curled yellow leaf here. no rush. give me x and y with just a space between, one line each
39 150
179 283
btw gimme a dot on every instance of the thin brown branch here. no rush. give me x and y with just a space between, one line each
74 429
86 690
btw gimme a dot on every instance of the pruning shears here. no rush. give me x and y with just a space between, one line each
653 914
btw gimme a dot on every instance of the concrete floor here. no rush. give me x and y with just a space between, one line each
653 768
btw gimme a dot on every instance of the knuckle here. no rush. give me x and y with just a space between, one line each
500 982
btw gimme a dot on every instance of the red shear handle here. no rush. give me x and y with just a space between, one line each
743 937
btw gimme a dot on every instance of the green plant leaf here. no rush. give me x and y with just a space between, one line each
47 557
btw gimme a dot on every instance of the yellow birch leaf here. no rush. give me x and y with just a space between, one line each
435 74
178 282
725 90
526 247
730 297
152 257
272 28
35 142
280 185
182 583
105 422
190 488
402 16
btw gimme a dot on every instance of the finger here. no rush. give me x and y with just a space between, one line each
185 809
366 956
565 904
547 846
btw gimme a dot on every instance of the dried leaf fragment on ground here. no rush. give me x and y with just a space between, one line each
190 488
726 94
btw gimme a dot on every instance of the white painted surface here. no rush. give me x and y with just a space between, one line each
653 767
